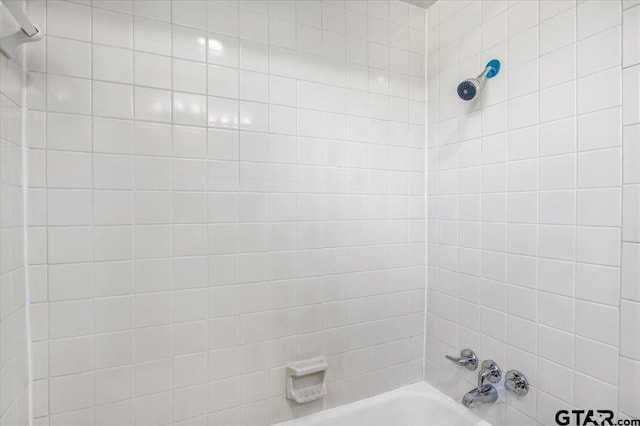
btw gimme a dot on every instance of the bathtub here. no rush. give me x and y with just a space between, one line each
419 404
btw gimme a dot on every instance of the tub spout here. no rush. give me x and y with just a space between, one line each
485 393
476 397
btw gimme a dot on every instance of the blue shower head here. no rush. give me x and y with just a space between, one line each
469 88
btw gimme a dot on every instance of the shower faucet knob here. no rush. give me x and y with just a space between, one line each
467 359
516 382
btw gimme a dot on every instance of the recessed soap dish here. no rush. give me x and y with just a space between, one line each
305 380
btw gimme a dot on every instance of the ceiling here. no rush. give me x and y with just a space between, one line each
421 3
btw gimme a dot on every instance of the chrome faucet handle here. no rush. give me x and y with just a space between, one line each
468 359
489 371
516 382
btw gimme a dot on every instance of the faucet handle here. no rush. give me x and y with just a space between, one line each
516 382
468 359
489 371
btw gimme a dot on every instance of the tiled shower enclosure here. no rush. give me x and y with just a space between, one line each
195 193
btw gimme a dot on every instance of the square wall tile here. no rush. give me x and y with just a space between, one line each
631 32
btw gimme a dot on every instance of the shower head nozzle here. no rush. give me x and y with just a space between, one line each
468 89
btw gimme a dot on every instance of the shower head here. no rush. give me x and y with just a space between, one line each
471 87
468 89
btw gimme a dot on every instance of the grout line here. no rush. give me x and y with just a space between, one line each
25 237
622 186
207 290
134 269
46 189
91 224
171 191
426 198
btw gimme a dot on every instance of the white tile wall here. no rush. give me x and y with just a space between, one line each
533 202
14 378
630 280
223 187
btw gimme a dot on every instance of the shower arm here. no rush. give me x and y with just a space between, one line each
490 70
27 33
25 23
484 73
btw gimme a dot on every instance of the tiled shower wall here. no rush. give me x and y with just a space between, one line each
525 202
13 325
630 290
219 188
